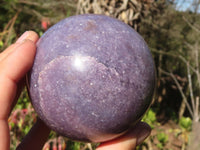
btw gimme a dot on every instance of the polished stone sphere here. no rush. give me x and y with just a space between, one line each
93 78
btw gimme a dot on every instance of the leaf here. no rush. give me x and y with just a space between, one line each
1 44
185 123
150 118
162 137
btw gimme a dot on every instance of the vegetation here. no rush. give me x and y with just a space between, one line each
173 37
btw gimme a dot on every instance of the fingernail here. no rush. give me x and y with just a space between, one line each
145 131
23 37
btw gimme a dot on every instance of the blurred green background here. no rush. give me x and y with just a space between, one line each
171 28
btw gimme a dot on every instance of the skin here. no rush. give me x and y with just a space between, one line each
15 62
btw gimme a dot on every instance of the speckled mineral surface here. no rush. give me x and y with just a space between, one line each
92 79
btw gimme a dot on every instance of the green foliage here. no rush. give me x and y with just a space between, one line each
185 123
20 122
163 139
30 15
23 101
160 146
73 145
1 44
150 118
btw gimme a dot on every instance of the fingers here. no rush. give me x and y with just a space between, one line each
18 62
130 140
27 35
31 35
4 135
14 65
15 61
36 137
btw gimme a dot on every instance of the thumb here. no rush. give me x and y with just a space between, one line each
130 140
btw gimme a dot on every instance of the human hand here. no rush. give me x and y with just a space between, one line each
15 62
135 136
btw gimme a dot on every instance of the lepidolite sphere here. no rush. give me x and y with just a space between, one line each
92 79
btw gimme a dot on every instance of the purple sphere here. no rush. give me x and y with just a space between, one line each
93 78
